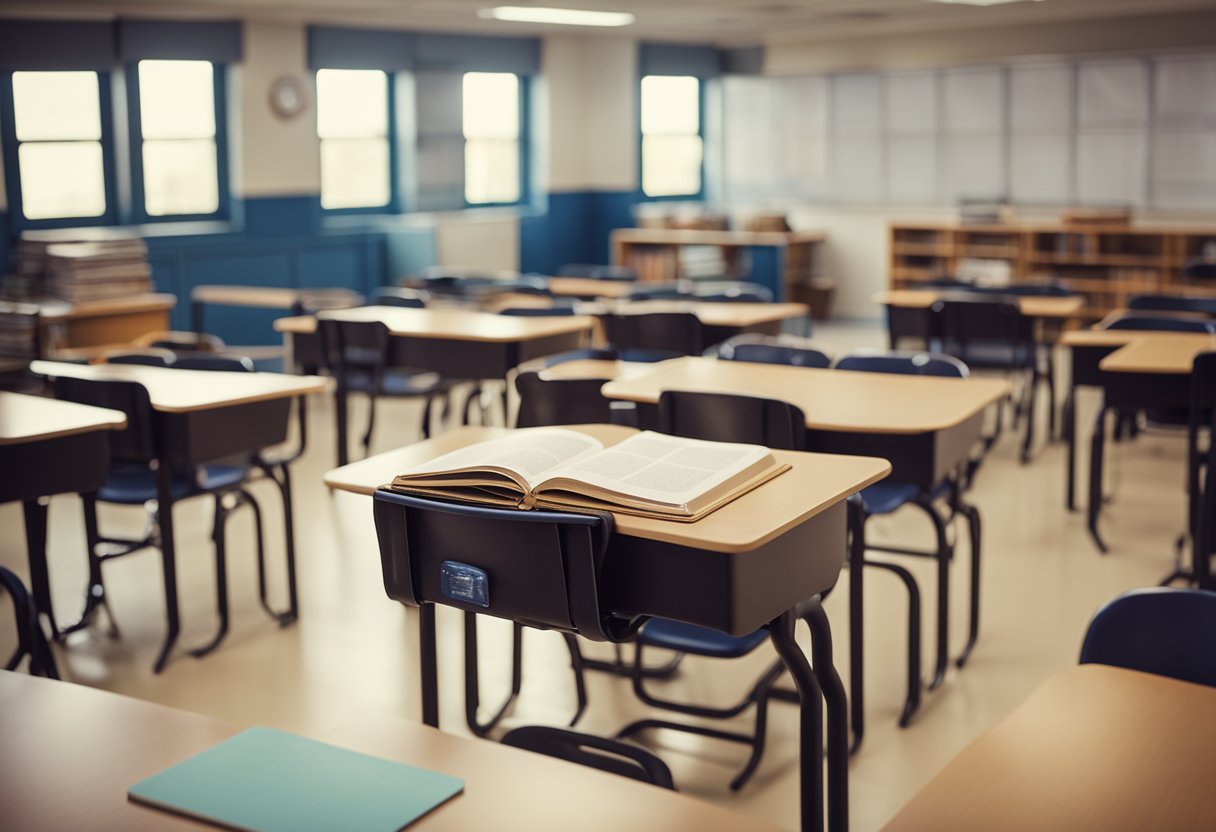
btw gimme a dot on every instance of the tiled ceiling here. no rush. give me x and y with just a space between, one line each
721 21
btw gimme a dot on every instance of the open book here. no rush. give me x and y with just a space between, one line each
648 474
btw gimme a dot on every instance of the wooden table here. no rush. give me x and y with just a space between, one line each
1095 747
103 323
723 320
200 417
745 566
596 368
50 447
1063 308
71 752
590 288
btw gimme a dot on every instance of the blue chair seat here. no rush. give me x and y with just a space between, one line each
395 382
887 497
136 485
700 641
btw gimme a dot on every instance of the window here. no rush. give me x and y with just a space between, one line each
177 128
671 136
57 120
353 124
491 124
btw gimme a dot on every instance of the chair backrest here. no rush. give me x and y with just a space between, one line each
1164 631
182 342
666 291
397 296
963 321
613 756
133 444
555 311
560 401
621 273
680 333
353 346
30 639
1172 303
1149 323
539 568
1202 270
723 417
215 363
903 363
768 349
150 357
587 354
734 293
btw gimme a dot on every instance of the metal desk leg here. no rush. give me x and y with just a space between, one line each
35 547
1070 438
428 665
340 417
781 631
857 552
164 519
1097 451
1031 401
837 708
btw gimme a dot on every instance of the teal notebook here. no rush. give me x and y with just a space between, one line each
264 780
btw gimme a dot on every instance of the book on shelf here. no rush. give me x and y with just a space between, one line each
649 474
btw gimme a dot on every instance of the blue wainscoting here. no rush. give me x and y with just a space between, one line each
574 228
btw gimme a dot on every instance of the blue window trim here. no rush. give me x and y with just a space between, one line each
12 169
395 201
525 145
138 207
691 197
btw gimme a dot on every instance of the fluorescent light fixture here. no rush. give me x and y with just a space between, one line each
563 17
981 2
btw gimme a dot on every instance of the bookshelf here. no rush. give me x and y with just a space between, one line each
1105 263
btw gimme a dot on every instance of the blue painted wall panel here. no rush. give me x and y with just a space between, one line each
332 265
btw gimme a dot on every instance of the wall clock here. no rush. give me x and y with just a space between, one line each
288 96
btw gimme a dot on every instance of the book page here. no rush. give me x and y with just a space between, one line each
532 454
666 470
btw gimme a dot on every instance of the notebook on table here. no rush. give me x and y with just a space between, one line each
263 780
649 474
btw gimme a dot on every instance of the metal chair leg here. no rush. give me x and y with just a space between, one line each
944 554
218 536
472 694
973 630
836 705
857 548
580 680
912 696
1097 450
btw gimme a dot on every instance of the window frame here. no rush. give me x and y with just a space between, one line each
394 204
139 209
701 102
12 164
524 142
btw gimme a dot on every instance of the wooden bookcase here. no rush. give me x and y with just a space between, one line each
1106 264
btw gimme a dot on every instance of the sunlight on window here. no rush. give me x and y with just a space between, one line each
672 148
491 123
352 123
57 120
177 123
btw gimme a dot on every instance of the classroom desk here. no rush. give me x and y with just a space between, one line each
1095 747
925 426
50 447
71 752
756 559
1062 308
201 417
113 322
590 288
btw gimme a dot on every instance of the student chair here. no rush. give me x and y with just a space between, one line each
131 481
655 336
20 343
181 342
31 641
557 310
612 756
664 291
598 272
560 401
1159 630
150 357
779 349
723 418
398 296
888 497
357 355
466 556
1172 303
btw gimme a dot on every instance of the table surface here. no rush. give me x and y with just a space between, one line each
445 324
1034 307
1095 747
814 483
55 311
183 391
711 237
36 418
271 298
836 400
595 368
71 752
590 287
1159 353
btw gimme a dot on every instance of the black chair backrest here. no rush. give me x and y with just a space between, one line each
965 323
767 349
903 363
397 296
133 444
680 333
612 756
555 311
353 346
673 291
30 639
1172 303
20 332
561 401
146 358
539 568
723 417
1149 323
1199 270
214 363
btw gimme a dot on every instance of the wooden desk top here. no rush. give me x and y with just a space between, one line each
271 298
703 237
183 391
1095 747
717 314
814 483
1033 307
835 400
35 418
590 287
71 752
445 323
595 368
54 311
1163 353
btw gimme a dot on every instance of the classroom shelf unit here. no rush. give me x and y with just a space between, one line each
1105 263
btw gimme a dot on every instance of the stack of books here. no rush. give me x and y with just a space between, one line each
79 265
